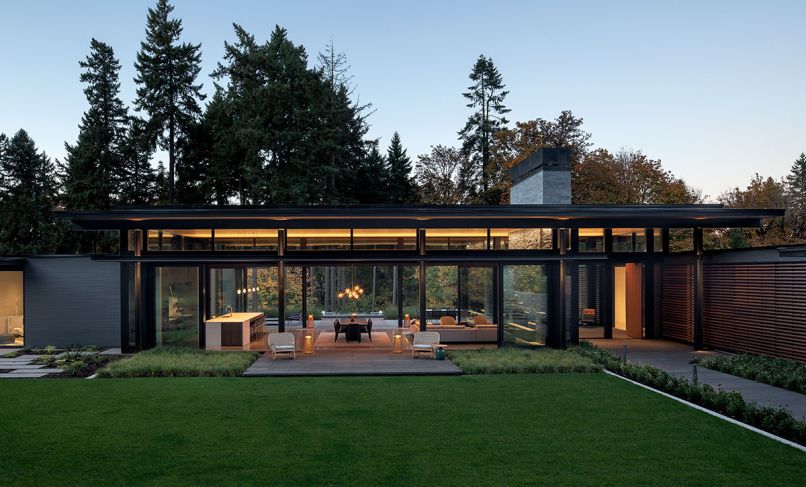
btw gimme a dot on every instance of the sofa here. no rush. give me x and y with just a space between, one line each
487 333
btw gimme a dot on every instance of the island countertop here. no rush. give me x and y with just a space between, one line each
233 318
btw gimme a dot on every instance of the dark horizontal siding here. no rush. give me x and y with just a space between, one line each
757 308
677 302
71 301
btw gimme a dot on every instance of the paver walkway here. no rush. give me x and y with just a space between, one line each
22 368
674 358
350 363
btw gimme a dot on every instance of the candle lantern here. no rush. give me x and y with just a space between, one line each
398 345
309 323
308 344
406 320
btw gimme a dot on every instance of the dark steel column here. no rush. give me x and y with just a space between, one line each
607 295
649 285
498 287
281 295
698 289
423 324
399 296
572 321
304 317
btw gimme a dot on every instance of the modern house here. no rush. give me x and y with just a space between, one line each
537 272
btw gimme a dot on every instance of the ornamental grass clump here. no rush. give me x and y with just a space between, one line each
778 421
521 361
180 362
778 372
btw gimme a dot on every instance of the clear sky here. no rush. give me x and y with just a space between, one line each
714 89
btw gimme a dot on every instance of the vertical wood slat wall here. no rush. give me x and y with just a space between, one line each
757 308
677 302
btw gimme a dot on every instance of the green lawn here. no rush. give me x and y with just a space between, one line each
462 430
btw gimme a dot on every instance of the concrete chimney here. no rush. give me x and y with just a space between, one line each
543 178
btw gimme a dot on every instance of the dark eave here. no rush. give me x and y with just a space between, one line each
420 216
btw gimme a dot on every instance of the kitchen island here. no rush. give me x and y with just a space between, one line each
234 330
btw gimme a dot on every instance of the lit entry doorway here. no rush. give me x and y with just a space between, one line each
628 301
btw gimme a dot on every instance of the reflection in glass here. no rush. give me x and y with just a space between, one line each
456 239
629 240
384 239
525 305
322 239
520 238
591 239
176 302
179 240
246 240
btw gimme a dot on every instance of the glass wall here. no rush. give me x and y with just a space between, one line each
629 240
591 239
323 239
176 303
12 327
384 239
441 292
179 240
520 238
476 295
456 239
525 290
246 240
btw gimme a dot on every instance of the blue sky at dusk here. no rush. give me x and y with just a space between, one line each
714 89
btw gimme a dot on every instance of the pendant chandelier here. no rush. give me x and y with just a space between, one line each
353 292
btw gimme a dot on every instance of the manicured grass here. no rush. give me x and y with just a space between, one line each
589 429
180 362
521 361
779 372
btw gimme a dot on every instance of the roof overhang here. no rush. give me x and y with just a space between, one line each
421 216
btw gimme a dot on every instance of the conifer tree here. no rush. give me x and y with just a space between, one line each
167 91
796 193
138 182
400 184
93 168
486 97
27 225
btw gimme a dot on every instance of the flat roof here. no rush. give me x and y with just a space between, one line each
419 216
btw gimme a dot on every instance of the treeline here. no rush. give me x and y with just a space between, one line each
280 128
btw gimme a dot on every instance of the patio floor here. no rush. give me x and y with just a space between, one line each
350 363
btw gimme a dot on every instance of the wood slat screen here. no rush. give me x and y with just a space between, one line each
677 302
757 308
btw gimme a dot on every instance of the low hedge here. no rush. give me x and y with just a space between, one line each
180 362
777 421
778 372
521 361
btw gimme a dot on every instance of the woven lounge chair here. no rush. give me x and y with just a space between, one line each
282 343
424 341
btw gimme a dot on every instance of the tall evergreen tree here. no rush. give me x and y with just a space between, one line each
167 91
486 97
297 136
138 182
796 193
400 184
93 169
27 225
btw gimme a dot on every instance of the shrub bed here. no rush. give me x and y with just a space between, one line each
74 364
176 362
779 372
778 421
521 361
